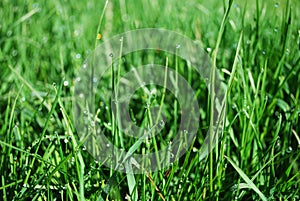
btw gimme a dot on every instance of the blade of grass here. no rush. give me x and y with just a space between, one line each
132 186
246 179
212 94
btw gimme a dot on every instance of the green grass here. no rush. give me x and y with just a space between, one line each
255 45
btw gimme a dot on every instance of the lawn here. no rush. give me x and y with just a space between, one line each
211 91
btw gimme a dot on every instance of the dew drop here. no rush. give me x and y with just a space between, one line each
111 54
78 56
78 79
278 143
289 150
66 83
162 123
107 145
9 33
76 32
81 95
276 5
276 30
84 65
185 132
66 140
84 148
125 18
177 46
35 5
14 53
208 49
95 80
287 51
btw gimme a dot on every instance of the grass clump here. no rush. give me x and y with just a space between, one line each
253 44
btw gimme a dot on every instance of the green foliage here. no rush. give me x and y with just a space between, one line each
255 46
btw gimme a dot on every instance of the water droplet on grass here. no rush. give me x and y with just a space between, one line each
35 5
66 83
76 32
78 56
9 33
125 18
14 53
162 123
289 150
111 54
276 5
